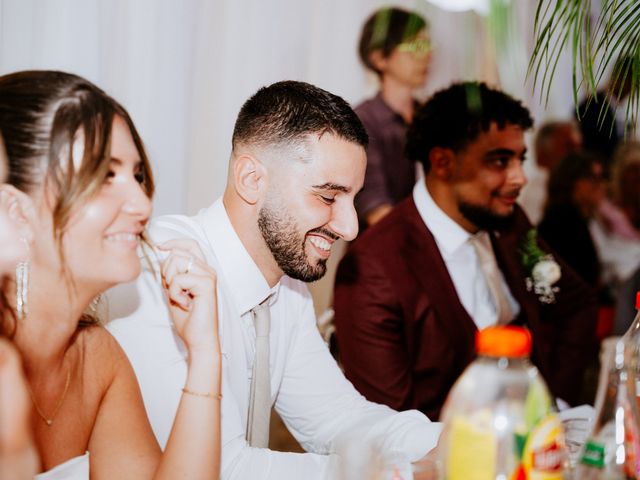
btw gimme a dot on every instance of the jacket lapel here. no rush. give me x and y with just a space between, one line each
432 274
507 246
506 249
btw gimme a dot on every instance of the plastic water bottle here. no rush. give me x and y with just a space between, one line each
499 422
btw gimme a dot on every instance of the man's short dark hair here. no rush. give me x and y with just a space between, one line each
454 117
385 29
286 112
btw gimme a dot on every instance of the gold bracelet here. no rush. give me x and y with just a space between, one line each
199 394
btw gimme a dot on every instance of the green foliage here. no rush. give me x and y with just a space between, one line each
530 251
499 21
596 44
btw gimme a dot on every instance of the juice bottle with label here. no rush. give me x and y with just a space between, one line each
499 423
611 451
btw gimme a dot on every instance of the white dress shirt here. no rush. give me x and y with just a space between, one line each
319 406
461 261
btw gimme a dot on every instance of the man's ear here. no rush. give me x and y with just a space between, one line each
249 175
378 60
442 162
20 209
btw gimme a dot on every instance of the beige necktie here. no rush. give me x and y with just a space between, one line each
260 399
482 243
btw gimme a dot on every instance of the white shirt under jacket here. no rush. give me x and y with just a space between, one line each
454 244
319 406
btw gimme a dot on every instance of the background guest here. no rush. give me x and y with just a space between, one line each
616 234
576 189
601 131
395 45
625 185
553 142
615 227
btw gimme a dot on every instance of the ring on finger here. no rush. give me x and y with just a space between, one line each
189 265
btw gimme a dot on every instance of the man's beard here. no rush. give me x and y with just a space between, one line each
280 233
484 218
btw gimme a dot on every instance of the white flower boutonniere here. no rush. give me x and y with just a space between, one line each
542 269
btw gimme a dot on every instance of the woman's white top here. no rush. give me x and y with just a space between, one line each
74 469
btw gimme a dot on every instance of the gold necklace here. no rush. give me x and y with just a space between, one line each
49 421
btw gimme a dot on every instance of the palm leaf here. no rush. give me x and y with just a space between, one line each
595 47
553 23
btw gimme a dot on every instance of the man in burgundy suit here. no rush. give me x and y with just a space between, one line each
413 289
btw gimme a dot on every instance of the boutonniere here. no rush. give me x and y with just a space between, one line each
542 269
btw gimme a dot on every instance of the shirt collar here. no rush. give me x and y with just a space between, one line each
246 283
448 234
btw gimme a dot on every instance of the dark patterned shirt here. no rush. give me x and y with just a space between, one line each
389 177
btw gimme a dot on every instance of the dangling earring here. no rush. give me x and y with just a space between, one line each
22 283
95 303
94 306
98 309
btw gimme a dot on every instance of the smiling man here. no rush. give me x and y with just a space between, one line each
414 289
297 161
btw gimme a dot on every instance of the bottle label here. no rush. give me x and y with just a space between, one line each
630 444
544 452
547 459
593 454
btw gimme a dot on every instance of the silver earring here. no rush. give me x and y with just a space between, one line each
22 288
23 269
95 303
98 309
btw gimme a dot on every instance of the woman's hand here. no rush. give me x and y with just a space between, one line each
18 456
190 285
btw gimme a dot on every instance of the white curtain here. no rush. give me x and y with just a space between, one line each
139 51
183 69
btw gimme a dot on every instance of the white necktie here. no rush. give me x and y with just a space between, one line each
482 244
260 399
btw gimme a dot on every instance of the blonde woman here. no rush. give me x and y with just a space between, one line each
75 153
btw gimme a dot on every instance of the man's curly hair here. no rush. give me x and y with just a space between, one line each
454 117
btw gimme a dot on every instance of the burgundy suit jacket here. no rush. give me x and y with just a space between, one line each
403 335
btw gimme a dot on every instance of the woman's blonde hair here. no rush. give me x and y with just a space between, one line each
42 114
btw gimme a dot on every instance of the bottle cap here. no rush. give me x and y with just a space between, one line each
504 342
638 300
